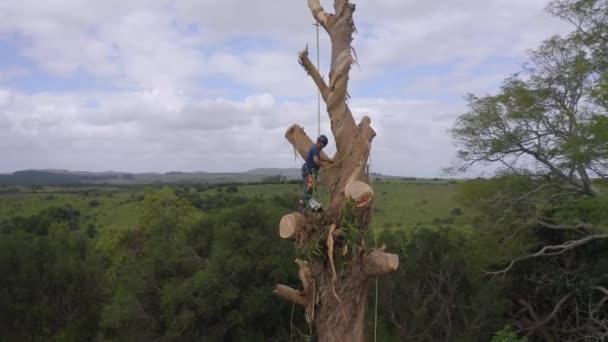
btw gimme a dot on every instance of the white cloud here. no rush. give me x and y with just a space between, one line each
206 135
160 114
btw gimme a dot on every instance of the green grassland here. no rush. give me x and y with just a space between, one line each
99 206
399 205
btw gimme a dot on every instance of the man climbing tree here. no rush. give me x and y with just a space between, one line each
335 263
310 174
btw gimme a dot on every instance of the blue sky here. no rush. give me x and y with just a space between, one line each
205 85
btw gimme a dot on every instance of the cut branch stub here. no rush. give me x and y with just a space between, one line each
377 262
301 142
291 224
366 130
360 192
290 294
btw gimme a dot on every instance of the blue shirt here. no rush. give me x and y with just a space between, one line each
310 162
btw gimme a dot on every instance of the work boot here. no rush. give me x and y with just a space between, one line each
301 206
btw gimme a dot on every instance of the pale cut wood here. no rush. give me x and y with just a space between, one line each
302 143
362 193
365 129
377 262
319 13
291 224
290 294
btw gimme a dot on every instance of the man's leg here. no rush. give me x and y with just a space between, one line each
309 187
313 182
302 201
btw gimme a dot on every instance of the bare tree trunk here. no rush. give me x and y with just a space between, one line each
335 284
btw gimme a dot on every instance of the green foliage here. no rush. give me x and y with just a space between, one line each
50 288
590 28
182 275
507 335
507 227
94 203
545 116
435 294
312 249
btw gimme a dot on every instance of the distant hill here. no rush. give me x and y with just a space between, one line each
65 177
35 177
294 173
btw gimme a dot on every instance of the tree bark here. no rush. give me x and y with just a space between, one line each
335 285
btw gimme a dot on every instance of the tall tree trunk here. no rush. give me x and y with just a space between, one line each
335 280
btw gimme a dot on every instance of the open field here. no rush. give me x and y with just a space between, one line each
100 206
399 204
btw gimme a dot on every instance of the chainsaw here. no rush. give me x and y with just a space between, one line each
314 205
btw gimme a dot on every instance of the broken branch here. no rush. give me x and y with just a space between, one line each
314 73
366 130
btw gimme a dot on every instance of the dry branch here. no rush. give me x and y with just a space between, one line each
552 250
539 323
580 225
314 73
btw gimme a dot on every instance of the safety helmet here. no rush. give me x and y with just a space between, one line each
322 139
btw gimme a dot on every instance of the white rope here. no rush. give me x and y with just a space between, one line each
373 220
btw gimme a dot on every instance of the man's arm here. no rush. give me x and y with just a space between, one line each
317 159
327 160
320 159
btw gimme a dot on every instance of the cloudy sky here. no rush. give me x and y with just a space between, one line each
212 85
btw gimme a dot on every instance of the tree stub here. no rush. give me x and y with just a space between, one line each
291 224
378 262
290 294
360 192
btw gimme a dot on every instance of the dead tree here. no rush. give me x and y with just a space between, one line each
336 264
